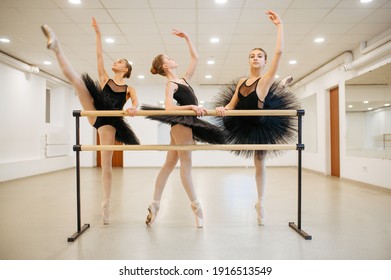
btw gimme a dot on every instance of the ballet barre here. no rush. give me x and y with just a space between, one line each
147 113
196 147
229 147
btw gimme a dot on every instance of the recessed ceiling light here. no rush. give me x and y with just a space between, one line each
74 1
276 76
210 62
208 76
141 77
365 1
292 62
109 40
319 40
350 106
221 1
387 104
47 62
370 108
214 40
366 102
5 40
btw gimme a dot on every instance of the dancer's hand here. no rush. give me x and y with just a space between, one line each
131 111
199 110
274 17
179 33
221 111
95 25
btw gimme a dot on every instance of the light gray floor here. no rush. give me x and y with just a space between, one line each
346 220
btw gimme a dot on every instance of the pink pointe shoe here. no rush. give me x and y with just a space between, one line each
52 43
286 81
152 209
197 211
259 208
106 213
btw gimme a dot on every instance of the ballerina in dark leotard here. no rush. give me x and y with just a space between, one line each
259 92
184 129
108 94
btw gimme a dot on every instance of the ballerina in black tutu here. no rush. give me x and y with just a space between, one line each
183 128
108 94
259 92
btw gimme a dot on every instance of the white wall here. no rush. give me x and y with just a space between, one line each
23 128
368 170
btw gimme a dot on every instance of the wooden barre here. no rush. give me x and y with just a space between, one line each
123 113
199 147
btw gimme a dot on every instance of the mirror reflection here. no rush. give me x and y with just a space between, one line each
368 114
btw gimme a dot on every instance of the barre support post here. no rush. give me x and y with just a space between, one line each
300 148
80 229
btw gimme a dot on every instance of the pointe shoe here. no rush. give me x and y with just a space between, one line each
197 211
152 209
52 43
286 81
260 213
106 213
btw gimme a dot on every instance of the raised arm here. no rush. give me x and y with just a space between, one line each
103 77
268 77
193 53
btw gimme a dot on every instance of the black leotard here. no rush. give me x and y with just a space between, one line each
203 131
111 97
115 98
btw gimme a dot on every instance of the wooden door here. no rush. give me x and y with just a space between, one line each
334 132
117 156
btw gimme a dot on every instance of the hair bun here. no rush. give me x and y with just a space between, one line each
153 70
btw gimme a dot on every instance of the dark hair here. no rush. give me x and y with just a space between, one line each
157 65
259 49
129 66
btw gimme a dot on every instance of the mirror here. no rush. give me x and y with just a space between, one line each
368 114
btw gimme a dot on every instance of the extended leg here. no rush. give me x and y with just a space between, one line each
182 136
260 179
161 180
73 77
107 137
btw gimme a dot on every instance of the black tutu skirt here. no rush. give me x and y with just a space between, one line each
103 101
203 131
260 129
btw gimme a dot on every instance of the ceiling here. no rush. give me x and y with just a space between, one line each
142 29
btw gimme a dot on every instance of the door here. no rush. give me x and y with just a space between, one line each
334 132
117 156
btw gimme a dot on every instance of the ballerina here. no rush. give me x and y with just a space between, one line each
108 94
184 129
259 91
